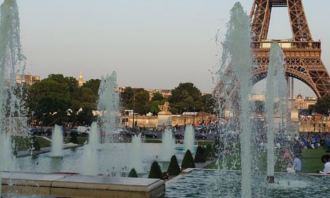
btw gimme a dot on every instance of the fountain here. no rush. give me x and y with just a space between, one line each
12 63
6 156
108 104
57 142
168 145
274 90
136 153
94 136
90 154
237 59
189 138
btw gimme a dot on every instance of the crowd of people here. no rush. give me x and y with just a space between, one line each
315 140
291 156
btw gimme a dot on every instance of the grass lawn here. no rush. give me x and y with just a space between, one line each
24 143
311 160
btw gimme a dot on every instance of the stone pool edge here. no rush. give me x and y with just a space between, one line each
78 186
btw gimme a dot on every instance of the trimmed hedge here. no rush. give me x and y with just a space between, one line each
132 173
188 161
201 155
155 171
173 168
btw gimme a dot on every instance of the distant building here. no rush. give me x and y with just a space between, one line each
27 79
299 102
166 93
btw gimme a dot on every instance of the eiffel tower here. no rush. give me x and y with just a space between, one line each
302 53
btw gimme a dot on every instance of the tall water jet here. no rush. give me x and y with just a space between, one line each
136 153
12 63
189 138
276 96
90 155
282 90
270 102
94 136
233 91
108 104
57 142
7 159
168 145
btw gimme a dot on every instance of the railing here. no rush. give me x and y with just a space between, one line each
279 3
287 45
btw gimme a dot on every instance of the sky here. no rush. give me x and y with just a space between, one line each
150 43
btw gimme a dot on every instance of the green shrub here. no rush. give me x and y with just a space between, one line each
74 138
132 173
173 168
35 144
209 151
200 156
188 161
155 171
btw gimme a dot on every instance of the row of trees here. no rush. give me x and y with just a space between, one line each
185 98
59 100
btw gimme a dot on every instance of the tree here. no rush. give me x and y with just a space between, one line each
322 106
188 161
209 103
52 110
127 98
155 102
132 173
200 156
173 168
155 171
84 116
93 84
185 97
141 101
59 100
157 97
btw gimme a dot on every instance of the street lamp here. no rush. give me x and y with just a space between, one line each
133 124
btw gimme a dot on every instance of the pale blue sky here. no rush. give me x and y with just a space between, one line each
150 43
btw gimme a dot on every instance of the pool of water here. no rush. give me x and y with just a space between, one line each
212 183
111 159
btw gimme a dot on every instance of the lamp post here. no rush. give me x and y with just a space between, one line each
133 124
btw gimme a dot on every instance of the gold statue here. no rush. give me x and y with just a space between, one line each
165 107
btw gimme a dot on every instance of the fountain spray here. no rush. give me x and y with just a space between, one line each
108 104
276 92
237 63
12 63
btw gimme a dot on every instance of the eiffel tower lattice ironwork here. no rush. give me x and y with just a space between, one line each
302 53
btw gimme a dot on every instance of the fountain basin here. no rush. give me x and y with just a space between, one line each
113 157
199 183
72 185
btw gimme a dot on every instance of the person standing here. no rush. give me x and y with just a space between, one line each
297 165
326 161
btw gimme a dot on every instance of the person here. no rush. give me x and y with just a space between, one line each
297 164
326 161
